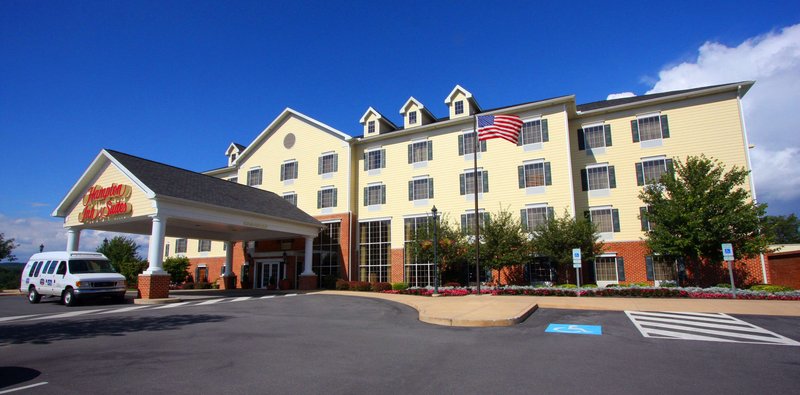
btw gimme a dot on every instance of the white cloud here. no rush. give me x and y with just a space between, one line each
620 95
31 232
773 61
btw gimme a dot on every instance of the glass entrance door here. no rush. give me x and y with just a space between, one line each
269 274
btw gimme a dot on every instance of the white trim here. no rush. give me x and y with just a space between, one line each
653 158
253 168
592 124
289 161
472 170
608 255
372 184
596 165
472 211
421 139
533 161
598 208
449 98
366 113
423 177
373 149
327 187
532 119
404 109
418 215
648 115
536 205
331 221
375 219
569 160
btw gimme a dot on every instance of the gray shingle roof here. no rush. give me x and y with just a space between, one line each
628 100
166 180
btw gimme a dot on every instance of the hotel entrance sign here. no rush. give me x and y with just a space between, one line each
101 203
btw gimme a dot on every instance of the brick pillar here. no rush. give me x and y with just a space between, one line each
228 282
153 286
308 282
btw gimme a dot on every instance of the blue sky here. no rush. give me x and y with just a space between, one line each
177 81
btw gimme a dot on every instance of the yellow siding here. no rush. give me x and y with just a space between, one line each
708 125
106 177
500 160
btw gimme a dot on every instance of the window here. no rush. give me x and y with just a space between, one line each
534 132
650 170
598 178
291 197
203 245
180 246
605 269
52 267
420 151
374 194
468 221
651 127
535 216
606 219
598 136
374 250
459 107
661 268
233 179
325 261
412 117
467 180
466 143
326 197
328 163
375 159
644 216
418 273
289 170
371 127
254 177
535 174
420 188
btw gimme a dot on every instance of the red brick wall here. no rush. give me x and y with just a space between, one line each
784 269
397 262
153 286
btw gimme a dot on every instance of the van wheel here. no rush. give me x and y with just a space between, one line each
68 297
33 296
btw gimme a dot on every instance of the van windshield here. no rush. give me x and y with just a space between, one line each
90 266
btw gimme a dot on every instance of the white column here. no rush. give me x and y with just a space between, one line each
155 254
307 271
228 259
73 239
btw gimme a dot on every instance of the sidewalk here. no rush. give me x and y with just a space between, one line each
488 310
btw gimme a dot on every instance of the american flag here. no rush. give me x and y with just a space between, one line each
506 127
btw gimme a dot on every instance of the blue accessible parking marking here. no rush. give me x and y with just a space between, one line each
575 329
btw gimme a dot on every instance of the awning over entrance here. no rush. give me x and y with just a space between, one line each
128 194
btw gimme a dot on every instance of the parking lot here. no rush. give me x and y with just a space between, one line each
338 344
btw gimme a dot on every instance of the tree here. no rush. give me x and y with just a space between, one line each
503 242
557 237
119 250
451 250
6 247
697 207
782 229
177 267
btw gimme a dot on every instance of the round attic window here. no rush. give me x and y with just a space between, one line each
288 141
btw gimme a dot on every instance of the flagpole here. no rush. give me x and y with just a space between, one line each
477 226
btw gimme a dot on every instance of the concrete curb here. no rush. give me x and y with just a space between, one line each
157 301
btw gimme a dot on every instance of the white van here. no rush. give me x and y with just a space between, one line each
71 276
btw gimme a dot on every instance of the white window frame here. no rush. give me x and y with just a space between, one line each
332 156
291 197
379 186
605 283
468 176
367 153
424 143
662 158
427 179
593 125
640 118
412 117
251 178
536 206
326 189
371 127
534 162
610 210
458 105
285 168
588 178
522 131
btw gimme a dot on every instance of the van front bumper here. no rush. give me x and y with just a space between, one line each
99 291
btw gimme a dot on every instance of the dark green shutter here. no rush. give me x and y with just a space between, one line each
521 176
319 199
486 218
551 213
383 194
612 177
460 144
366 196
411 153
664 127
463 182
411 190
296 169
548 178
620 269
430 150
648 263
483 145
584 180
581 143
635 130
670 166
643 218
464 223
365 161
545 133
607 130
283 165
519 137
383 158
319 165
523 217
587 215
430 188
639 174
615 219
335 162
335 197
485 181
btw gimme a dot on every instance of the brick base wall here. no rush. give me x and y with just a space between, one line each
153 286
308 282
396 270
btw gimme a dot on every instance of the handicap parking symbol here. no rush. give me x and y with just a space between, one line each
575 329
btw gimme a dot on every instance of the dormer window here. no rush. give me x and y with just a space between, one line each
371 127
459 107
412 117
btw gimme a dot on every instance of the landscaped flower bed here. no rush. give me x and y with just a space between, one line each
621 291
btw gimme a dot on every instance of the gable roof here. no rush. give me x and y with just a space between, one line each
161 180
233 146
380 116
603 104
422 108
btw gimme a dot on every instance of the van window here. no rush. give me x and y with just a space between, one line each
52 267
62 268
33 267
38 267
90 266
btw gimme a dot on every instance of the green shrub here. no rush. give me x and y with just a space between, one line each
612 286
329 282
770 288
202 285
177 267
187 286
132 270
342 285
567 286
360 286
399 286
641 284
380 287
589 286
723 285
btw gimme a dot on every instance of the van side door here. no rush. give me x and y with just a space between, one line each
60 278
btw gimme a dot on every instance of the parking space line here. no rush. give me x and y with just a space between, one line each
18 317
171 305
22 388
211 301
70 314
124 309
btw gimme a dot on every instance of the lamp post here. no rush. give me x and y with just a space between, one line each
435 250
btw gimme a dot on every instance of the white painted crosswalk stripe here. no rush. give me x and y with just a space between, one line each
268 297
716 327
210 301
70 314
125 309
18 317
243 298
171 305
